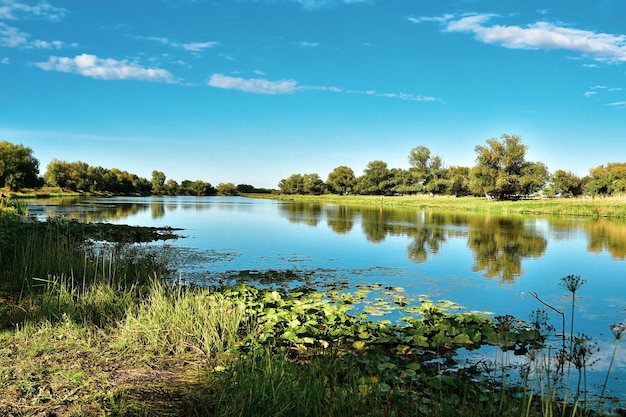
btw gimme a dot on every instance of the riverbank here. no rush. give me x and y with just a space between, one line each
611 207
87 329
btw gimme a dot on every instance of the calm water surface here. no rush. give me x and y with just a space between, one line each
486 263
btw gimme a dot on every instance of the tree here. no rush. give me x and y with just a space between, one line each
245 188
158 182
459 181
341 180
375 179
607 180
313 184
294 184
502 171
428 172
227 188
565 184
18 166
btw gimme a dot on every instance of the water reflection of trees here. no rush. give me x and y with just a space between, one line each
602 234
501 243
340 218
306 213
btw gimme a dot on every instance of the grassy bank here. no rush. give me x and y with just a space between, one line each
89 328
614 207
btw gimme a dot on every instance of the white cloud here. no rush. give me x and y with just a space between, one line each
264 86
307 44
4 60
190 46
618 104
253 85
199 46
13 38
105 69
590 93
13 10
316 4
540 35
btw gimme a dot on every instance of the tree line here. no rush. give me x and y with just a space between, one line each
19 169
501 171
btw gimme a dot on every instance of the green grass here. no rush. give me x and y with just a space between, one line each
614 207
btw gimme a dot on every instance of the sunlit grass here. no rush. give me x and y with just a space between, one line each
584 207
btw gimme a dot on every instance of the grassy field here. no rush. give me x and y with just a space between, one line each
99 329
614 207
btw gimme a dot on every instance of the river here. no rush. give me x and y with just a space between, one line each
486 263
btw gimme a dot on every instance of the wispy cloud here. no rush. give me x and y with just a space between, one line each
5 60
105 69
620 104
307 44
12 37
199 46
264 86
540 35
254 85
315 4
14 10
190 46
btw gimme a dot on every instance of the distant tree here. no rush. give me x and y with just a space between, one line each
341 180
375 179
245 188
197 188
400 181
18 166
227 189
607 180
294 184
313 184
565 184
158 182
459 181
427 171
534 177
171 187
501 169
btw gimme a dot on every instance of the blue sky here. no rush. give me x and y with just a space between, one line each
252 91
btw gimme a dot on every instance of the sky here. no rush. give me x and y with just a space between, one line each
253 91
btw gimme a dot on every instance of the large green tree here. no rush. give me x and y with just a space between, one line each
428 172
376 179
18 166
341 180
502 171
607 180
158 182
565 184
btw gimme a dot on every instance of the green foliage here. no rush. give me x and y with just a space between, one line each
565 184
607 180
428 171
376 179
502 171
227 189
18 166
158 182
341 180
79 176
302 184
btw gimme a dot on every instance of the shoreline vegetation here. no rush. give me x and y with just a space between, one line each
613 207
94 322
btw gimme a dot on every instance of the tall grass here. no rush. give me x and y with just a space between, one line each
614 207
174 320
